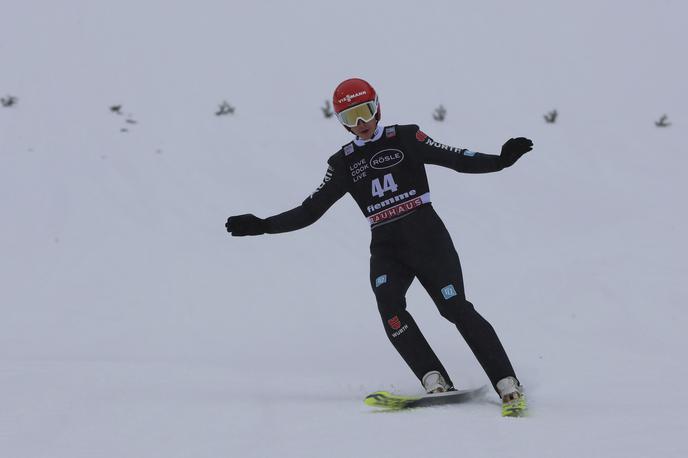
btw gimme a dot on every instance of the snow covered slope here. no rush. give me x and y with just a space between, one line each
132 325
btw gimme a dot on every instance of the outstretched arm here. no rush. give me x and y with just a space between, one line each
310 210
466 161
297 218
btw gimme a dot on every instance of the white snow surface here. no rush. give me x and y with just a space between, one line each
132 325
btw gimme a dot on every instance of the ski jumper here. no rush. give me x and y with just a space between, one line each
386 177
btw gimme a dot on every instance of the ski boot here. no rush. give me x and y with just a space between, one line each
513 399
433 382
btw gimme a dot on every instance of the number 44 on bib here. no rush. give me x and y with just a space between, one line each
388 184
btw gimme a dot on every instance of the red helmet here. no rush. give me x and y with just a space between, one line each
352 92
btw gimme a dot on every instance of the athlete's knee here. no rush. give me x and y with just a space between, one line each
451 302
457 311
388 308
386 293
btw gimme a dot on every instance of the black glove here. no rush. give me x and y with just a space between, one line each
513 149
249 224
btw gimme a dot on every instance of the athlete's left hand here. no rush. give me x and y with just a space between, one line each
513 149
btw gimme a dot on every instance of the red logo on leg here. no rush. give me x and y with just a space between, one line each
394 322
421 136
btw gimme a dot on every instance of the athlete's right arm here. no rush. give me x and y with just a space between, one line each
329 191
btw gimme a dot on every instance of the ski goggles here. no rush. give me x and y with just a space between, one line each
363 111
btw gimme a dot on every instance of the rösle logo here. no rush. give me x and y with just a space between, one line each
386 158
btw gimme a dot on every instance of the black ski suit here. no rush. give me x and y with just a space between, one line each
386 176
